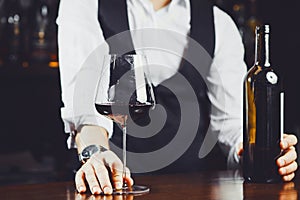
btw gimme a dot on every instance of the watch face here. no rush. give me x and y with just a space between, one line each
86 153
89 151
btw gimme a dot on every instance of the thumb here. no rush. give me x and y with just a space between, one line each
240 149
116 168
119 177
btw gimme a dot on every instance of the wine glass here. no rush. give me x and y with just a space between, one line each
125 90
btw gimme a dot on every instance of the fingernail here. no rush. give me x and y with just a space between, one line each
118 185
96 190
282 171
285 144
81 189
107 190
281 162
131 181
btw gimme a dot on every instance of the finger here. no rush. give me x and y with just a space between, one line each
288 141
240 149
288 169
128 179
117 174
103 176
91 179
288 177
119 177
287 158
79 181
116 167
80 196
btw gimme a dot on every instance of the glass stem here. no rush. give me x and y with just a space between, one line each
124 127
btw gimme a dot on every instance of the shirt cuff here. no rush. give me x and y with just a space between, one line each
73 123
233 159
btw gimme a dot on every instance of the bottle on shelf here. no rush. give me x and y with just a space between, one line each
40 40
253 21
26 28
13 34
53 49
44 45
3 23
263 121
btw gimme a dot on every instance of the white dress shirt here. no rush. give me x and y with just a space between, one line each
79 34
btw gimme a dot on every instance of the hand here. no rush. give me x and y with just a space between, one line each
96 172
287 162
82 196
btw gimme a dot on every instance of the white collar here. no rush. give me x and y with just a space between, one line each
147 3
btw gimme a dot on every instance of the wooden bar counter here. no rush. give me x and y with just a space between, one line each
217 185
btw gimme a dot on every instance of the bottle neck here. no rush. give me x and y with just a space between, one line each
262 47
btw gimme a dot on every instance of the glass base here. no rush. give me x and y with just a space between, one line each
133 190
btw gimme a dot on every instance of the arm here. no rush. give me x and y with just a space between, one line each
79 39
225 87
229 64
287 162
95 170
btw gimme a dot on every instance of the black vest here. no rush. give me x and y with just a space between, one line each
113 19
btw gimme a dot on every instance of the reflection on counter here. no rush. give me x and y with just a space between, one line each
102 197
231 186
28 33
286 191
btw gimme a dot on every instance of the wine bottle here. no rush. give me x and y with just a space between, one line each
26 27
3 22
14 33
262 127
40 42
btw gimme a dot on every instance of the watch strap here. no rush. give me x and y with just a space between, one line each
88 151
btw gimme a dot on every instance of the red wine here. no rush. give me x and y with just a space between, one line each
112 110
262 115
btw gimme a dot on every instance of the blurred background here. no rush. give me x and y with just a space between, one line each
32 140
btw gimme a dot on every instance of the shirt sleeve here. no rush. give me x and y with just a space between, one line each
79 37
225 85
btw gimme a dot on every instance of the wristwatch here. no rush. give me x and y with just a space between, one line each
88 151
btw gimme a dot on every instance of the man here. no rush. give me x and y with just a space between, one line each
83 28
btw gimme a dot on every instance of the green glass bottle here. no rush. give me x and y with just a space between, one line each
262 123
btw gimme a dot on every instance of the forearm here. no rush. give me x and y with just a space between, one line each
90 134
95 171
74 56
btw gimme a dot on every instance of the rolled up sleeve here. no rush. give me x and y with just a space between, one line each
79 36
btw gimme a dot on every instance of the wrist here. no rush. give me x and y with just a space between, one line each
91 135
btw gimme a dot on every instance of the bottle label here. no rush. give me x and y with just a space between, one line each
272 77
